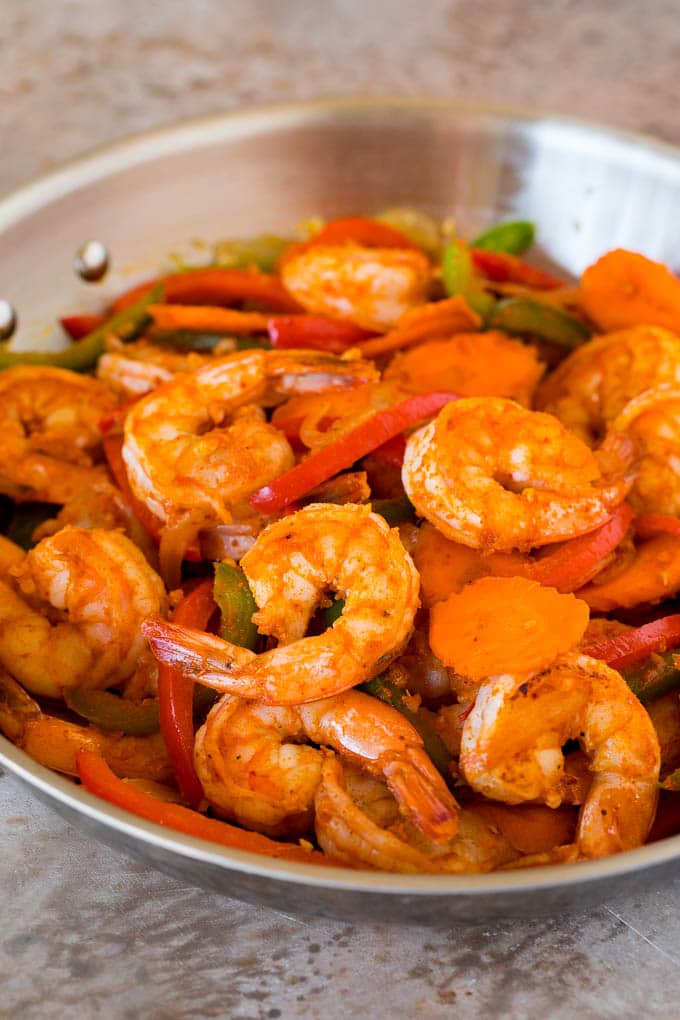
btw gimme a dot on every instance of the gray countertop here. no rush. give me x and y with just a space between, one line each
87 932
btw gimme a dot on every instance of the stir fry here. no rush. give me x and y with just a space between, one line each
356 548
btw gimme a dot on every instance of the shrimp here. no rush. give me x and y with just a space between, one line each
51 441
593 385
72 618
199 444
291 568
511 748
371 287
55 743
358 836
493 476
134 369
471 364
256 769
652 420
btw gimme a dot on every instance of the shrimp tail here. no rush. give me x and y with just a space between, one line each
423 794
194 653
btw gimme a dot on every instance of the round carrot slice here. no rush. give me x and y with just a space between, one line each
505 625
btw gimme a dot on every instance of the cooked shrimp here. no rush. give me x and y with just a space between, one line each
593 385
291 568
199 445
55 743
134 369
491 475
511 748
371 287
256 769
350 832
471 364
73 617
652 420
50 437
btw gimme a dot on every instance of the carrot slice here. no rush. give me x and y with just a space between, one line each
425 322
653 575
208 319
505 625
97 777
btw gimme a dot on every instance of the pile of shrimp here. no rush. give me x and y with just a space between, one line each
358 553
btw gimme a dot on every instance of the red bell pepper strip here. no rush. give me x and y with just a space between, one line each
326 462
176 696
634 646
78 326
566 564
648 525
97 778
392 452
362 230
500 267
667 820
315 332
112 443
216 286
113 451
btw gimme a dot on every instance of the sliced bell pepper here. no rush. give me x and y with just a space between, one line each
97 778
435 747
392 452
261 252
333 612
109 712
513 237
78 326
500 267
655 678
565 565
524 317
460 278
648 525
215 287
337 456
395 511
112 444
315 332
82 355
635 646
361 230
237 606
176 692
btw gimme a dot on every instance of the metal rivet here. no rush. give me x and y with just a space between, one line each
91 261
8 320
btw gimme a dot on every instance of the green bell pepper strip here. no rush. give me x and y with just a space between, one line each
190 340
395 511
459 278
82 355
26 517
435 747
333 612
513 238
655 678
237 605
522 316
109 712
263 252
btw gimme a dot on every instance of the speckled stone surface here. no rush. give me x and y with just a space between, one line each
86 932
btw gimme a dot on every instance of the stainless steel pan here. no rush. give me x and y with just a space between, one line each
588 189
